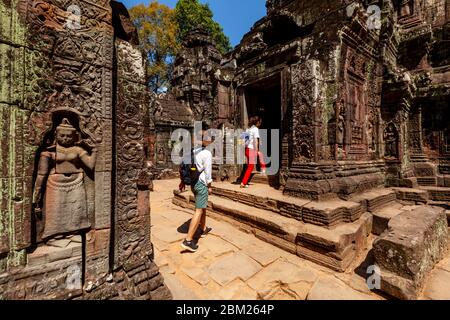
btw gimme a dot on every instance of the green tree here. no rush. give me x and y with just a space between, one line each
192 14
158 30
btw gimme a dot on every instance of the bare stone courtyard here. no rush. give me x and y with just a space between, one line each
233 264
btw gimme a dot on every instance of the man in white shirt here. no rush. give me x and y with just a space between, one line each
201 190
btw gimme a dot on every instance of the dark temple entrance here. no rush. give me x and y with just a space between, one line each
436 132
263 98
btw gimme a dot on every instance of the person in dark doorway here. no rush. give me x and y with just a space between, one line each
201 187
252 150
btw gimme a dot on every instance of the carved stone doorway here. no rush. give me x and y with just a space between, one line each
263 98
436 133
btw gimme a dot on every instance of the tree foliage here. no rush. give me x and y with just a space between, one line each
161 32
192 14
158 36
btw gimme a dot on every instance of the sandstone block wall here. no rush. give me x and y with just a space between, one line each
76 61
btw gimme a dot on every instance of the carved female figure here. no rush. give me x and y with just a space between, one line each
60 184
340 131
391 141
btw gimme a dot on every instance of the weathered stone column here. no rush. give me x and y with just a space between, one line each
77 228
305 180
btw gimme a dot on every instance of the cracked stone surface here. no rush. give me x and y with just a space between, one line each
438 287
330 288
233 265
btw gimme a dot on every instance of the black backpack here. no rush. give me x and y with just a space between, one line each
189 172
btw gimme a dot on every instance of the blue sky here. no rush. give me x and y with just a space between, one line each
235 16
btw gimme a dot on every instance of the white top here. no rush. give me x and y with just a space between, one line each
203 161
253 137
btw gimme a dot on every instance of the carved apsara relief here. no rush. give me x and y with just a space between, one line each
60 192
391 141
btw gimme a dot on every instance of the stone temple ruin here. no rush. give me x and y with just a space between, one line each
75 179
358 89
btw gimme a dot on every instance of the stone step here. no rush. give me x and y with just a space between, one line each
375 199
412 195
438 193
442 204
272 181
427 181
334 248
260 178
414 243
327 213
381 217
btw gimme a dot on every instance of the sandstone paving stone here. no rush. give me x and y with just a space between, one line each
237 290
438 285
204 258
283 291
232 267
159 220
299 262
217 246
282 272
178 257
245 294
168 269
167 234
445 264
301 289
160 260
330 288
355 281
181 213
175 259
178 289
238 238
197 274
159 244
176 218
263 254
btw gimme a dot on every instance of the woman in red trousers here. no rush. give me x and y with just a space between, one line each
252 150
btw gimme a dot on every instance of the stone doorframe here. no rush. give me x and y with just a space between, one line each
286 142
